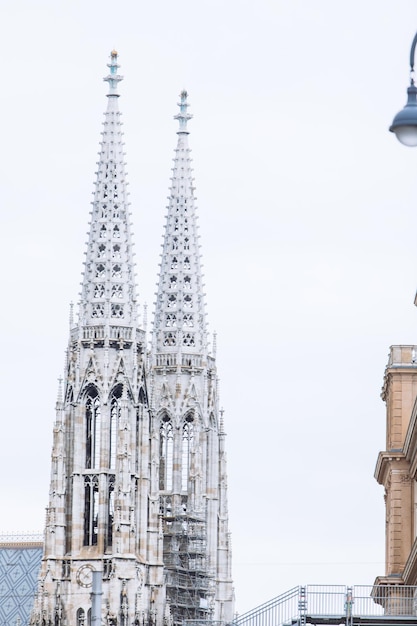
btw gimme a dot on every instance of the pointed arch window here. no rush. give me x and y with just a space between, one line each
90 510
101 251
103 232
174 263
188 302
188 319
186 243
80 617
116 251
110 509
139 419
187 264
187 282
115 411
93 430
116 232
187 441
166 451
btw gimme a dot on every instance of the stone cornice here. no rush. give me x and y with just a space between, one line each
383 463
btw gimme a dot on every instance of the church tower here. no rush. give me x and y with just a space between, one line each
192 461
103 514
138 487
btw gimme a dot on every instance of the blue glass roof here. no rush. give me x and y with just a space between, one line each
19 569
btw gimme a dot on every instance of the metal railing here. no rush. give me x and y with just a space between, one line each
335 604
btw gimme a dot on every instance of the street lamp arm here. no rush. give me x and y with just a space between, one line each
412 53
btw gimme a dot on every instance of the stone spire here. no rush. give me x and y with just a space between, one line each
184 398
100 515
108 289
180 326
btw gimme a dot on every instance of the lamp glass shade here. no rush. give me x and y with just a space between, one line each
404 124
407 135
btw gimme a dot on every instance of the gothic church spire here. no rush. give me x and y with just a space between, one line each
108 289
180 326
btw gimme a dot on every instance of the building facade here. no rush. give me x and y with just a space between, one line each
396 467
138 486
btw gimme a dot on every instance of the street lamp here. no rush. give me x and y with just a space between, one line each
404 124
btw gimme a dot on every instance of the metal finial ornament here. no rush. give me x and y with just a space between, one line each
183 116
113 78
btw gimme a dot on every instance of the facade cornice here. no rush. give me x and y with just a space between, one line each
384 462
402 359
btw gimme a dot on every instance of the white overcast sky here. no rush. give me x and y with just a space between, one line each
308 216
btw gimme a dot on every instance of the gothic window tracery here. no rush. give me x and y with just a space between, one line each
93 429
100 269
116 232
170 339
175 243
172 301
187 264
115 410
116 251
170 319
173 282
99 290
188 319
116 310
139 417
188 340
187 441
117 291
81 617
174 263
116 214
90 510
186 243
111 481
187 282
103 231
116 271
98 310
166 448
101 251
188 302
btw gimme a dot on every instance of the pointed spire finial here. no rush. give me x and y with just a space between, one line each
113 78
183 116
